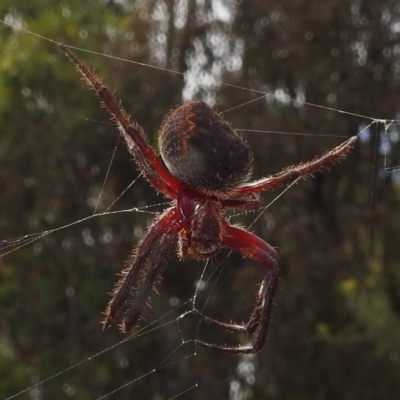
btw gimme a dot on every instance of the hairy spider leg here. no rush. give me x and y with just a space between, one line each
133 134
154 265
251 246
247 202
146 264
290 174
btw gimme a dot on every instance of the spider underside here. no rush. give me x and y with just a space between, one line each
193 138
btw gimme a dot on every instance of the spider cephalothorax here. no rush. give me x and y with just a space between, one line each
207 167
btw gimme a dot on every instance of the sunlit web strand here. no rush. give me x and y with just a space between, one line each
105 180
263 94
17 243
150 373
135 335
289 133
171 71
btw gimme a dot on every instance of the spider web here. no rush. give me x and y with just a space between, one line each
182 353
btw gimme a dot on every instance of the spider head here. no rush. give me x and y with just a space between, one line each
203 151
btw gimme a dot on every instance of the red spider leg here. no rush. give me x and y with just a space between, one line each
254 247
289 175
134 136
147 257
155 262
247 202
187 198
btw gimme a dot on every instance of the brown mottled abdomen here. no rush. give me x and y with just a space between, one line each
202 150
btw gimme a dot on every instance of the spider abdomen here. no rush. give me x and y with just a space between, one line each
202 150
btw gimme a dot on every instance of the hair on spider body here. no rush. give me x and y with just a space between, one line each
202 150
208 165
202 240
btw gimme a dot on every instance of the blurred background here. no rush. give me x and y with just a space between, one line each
336 323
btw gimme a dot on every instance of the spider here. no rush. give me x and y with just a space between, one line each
205 170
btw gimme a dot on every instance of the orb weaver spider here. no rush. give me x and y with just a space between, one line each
205 170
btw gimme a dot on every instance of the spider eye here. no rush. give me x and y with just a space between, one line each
202 150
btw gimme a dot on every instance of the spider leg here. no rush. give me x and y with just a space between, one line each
133 134
147 262
155 263
289 175
254 247
248 202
